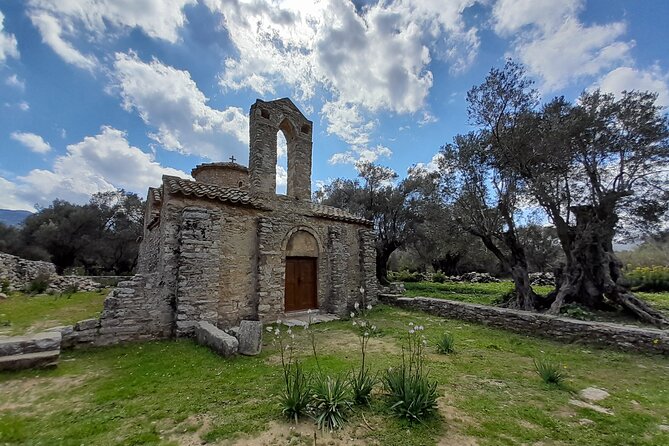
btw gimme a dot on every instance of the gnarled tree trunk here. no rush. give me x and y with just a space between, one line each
593 272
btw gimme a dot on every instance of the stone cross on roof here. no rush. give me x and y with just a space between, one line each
233 159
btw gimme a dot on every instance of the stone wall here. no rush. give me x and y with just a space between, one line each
18 272
556 328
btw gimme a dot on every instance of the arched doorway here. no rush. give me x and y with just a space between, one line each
301 292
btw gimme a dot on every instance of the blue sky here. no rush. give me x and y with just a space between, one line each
103 94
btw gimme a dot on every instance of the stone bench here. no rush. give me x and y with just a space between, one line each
30 351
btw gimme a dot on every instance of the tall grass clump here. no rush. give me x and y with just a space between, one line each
549 371
362 381
330 401
411 394
446 344
295 397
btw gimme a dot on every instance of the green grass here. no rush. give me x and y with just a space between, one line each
172 391
21 313
476 293
658 300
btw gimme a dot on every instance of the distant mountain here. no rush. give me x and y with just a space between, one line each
13 218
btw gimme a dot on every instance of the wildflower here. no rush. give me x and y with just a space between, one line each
309 311
410 324
355 323
656 341
369 306
424 342
269 329
292 336
276 332
306 327
420 327
289 331
373 327
356 305
362 290
363 323
366 334
411 331
278 321
352 314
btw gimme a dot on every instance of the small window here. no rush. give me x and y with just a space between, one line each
305 128
264 113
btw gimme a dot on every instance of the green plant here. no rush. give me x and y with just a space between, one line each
5 286
294 399
412 395
330 401
362 382
549 371
446 344
577 312
39 284
649 279
405 276
439 277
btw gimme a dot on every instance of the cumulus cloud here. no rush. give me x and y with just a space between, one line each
361 154
367 60
628 79
168 100
8 45
10 197
14 81
98 163
32 141
555 45
62 21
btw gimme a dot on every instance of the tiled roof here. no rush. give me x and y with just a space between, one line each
334 213
156 193
176 185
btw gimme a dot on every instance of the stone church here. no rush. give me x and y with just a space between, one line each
226 247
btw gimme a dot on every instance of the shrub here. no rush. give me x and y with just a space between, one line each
412 395
549 371
446 344
295 398
362 382
330 401
406 276
5 286
439 277
651 279
39 284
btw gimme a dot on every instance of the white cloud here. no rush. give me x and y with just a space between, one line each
98 163
14 81
555 45
10 197
51 31
427 118
430 166
23 106
31 141
361 154
367 60
8 45
628 79
170 101
61 21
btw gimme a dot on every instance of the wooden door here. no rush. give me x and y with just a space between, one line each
301 283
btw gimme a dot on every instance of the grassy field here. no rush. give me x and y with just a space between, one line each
21 313
178 393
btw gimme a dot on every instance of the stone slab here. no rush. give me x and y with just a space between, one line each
34 343
250 337
30 360
216 339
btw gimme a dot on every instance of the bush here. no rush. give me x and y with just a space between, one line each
549 371
412 395
405 276
39 284
5 286
439 277
651 279
446 344
330 401
362 384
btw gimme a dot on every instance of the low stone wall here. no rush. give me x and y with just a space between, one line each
18 272
649 340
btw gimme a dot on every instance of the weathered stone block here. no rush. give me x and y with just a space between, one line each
250 337
87 324
38 342
216 339
30 360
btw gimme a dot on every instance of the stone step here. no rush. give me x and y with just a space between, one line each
33 343
30 360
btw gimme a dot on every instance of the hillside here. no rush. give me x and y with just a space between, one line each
13 217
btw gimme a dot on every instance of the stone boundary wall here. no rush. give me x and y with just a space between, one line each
647 340
20 272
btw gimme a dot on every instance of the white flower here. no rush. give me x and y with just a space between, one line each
269 329
424 342
289 331
410 324
356 305
309 311
306 327
355 323
352 314
363 323
292 336
411 331
420 327
276 332
366 334
362 290
373 327
278 321
369 306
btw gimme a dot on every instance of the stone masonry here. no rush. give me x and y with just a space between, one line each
216 250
